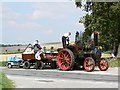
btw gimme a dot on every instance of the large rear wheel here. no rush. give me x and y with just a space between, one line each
89 64
103 64
65 59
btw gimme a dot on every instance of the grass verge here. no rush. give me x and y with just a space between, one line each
5 83
3 63
115 63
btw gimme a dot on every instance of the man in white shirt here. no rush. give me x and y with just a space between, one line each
65 39
39 63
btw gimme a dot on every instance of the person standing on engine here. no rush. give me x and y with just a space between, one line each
65 39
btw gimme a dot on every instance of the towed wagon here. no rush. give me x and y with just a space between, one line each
48 58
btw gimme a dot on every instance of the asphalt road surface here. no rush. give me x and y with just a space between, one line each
53 78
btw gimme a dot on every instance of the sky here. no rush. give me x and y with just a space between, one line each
24 22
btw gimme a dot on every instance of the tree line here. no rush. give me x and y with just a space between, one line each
10 45
103 17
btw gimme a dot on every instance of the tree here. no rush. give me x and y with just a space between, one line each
105 18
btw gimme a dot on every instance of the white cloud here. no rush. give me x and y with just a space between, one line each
41 10
15 21
40 14
12 23
55 7
48 31
29 26
53 10
9 14
37 14
24 26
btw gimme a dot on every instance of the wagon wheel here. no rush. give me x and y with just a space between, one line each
26 65
89 64
103 64
53 65
65 59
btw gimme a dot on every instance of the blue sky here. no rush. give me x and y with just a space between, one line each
24 22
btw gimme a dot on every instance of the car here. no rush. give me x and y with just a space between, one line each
14 61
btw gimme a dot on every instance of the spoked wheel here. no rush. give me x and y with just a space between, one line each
89 64
103 64
65 59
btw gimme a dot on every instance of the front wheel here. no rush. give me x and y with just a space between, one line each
65 59
103 65
89 64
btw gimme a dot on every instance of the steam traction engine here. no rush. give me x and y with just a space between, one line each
87 56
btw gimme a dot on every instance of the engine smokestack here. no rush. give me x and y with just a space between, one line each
96 38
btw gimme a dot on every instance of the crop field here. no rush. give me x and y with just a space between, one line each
12 49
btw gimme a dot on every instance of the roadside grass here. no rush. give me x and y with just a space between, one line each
3 63
115 63
5 83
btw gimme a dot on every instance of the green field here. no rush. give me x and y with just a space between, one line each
5 83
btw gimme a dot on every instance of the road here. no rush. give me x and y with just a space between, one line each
47 78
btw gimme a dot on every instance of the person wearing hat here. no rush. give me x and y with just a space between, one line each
65 39
36 46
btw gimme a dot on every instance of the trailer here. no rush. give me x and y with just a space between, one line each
47 58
